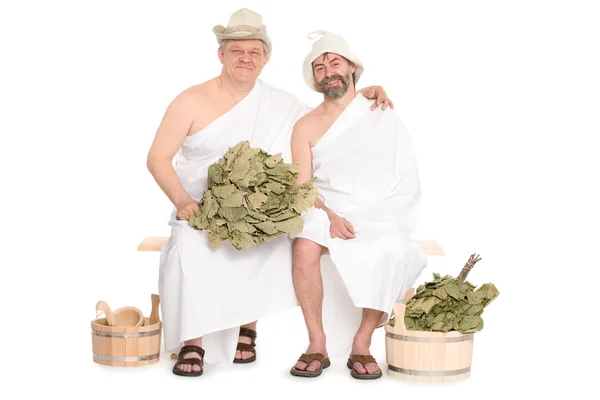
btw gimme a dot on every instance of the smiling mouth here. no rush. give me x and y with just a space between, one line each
242 67
332 83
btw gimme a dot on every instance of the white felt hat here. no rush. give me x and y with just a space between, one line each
328 43
244 24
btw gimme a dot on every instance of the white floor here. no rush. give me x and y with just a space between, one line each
281 341
519 352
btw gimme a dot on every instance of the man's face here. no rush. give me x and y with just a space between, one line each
333 74
244 59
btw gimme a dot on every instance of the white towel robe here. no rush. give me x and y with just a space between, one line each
366 172
207 292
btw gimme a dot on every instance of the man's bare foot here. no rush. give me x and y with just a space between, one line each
246 349
315 347
360 346
191 367
243 355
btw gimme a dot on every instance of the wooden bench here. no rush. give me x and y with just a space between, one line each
154 243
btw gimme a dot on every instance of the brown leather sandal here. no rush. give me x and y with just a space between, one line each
246 347
364 360
308 358
192 360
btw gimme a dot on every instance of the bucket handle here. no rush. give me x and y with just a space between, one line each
103 308
399 310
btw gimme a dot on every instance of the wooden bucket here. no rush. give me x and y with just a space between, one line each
127 346
420 356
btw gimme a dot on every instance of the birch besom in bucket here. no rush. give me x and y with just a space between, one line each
448 312
125 338
421 356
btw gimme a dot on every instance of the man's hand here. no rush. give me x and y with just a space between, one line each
377 93
340 228
186 209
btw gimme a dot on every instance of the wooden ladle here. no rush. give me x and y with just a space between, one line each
121 317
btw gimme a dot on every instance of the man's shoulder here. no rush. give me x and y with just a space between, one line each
199 92
389 114
314 114
193 98
308 121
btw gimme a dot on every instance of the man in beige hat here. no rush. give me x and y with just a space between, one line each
211 299
355 256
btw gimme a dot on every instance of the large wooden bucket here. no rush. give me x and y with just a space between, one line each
126 346
426 356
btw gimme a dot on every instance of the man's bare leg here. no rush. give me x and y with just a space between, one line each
306 273
190 367
362 339
244 355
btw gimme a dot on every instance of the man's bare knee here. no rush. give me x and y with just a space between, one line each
306 252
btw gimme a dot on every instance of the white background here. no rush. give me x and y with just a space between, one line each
502 99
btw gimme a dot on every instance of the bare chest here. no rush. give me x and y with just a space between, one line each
208 111
319 125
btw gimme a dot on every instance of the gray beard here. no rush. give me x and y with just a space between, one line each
336 92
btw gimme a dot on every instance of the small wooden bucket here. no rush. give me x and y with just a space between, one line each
420 356
127 346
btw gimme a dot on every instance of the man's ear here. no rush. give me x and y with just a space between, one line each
220 54
267 58
352 67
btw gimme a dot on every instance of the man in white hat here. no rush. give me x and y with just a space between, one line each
355 256
211 299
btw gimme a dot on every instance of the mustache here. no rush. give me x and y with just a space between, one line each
332 78
243 64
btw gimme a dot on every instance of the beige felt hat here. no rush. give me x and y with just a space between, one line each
244 24
328 43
